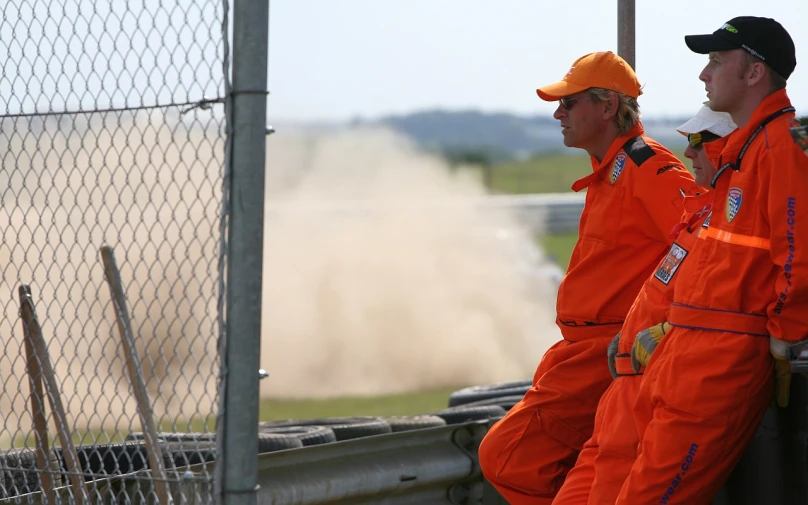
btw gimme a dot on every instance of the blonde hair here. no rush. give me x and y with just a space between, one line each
628 110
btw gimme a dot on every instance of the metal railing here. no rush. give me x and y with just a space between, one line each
540 213
434 465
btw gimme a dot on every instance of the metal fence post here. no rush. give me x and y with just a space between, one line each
625 31
246 109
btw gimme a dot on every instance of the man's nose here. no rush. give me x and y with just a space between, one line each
704 76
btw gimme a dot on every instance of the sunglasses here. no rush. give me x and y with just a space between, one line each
696 140
567 102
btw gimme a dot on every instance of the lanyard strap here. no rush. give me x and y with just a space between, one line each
698 215
737 165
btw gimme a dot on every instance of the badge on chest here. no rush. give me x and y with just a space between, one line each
734 201
671 263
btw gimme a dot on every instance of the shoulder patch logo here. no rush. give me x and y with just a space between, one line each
671 263
734 200
664 169
617 168
800 136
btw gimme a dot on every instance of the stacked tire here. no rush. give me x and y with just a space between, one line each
502 394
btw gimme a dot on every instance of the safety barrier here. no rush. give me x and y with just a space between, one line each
434 465
544 213
429 459
541 213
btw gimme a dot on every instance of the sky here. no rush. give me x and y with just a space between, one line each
336 60
88 55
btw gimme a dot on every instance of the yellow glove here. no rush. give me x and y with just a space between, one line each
782 371
645 343
611 354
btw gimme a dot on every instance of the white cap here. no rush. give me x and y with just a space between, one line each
719 123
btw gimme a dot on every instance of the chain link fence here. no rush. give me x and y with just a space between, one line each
112 134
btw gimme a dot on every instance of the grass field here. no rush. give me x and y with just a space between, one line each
559 247
545 174
411 403
420 402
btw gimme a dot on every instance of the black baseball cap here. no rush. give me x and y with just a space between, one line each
761 37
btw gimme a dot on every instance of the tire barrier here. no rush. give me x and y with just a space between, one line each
276 440
430 458
100 460
506 402
18 472
466 413
489 391
307 435
410 423
344 428
774 468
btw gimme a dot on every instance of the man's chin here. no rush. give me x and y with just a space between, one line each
715 106
702 178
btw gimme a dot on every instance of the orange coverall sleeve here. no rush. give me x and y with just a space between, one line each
658 193
786 169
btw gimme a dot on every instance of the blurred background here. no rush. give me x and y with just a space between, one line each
418 206
418 217
418 212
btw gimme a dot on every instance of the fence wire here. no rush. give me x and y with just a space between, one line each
112 133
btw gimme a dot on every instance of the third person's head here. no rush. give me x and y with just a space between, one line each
706 134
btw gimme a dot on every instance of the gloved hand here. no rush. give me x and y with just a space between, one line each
611 354
645 343
782 371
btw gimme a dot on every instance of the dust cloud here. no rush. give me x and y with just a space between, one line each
383 272
149 186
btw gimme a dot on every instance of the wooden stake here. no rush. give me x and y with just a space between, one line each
153 448
43 368
46 478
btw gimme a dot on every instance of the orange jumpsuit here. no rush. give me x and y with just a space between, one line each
711 378
606 458
633 200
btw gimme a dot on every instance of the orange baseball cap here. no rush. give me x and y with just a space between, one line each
595 70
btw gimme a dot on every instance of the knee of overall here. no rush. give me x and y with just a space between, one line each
489 450
501 441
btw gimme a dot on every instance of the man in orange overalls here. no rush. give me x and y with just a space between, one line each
633 199
606 458
743 294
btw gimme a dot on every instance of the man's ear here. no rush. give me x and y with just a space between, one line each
755 73
611 105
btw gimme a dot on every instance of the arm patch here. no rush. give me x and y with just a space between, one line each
664 169
638 150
